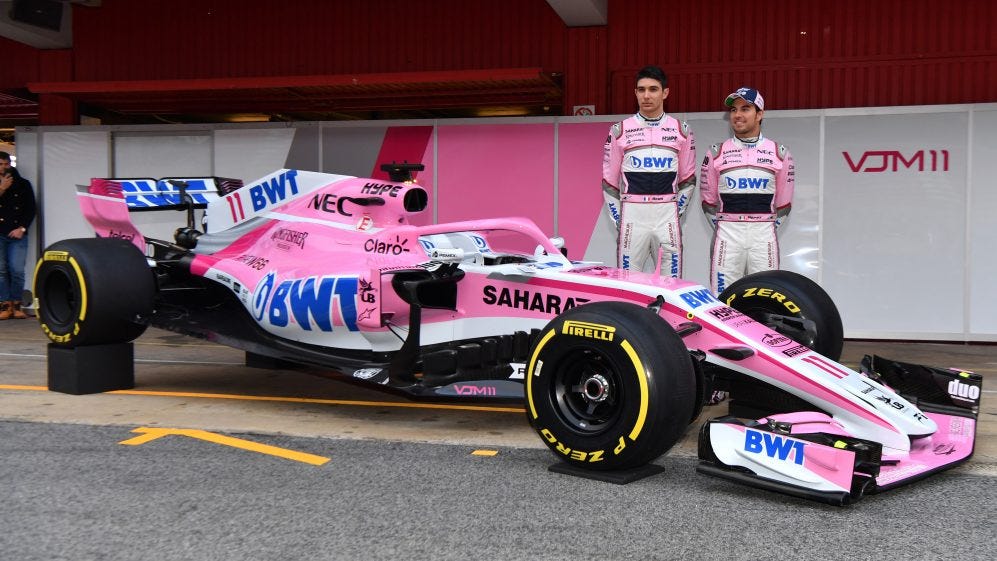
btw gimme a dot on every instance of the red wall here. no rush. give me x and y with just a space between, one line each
800 54
20 64
807 54
162 39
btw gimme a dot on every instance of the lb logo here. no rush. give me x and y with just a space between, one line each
589 330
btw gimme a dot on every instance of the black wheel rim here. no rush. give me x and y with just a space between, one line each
587 392
58 298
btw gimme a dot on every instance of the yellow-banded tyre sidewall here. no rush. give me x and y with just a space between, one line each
58 274
92 291
609 386
769 295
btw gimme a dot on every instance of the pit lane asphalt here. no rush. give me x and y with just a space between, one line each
403 482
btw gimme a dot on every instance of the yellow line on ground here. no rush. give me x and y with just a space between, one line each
296 400
154 433
484 452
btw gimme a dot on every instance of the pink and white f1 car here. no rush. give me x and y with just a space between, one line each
327 270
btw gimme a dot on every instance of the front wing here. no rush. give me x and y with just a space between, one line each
809 455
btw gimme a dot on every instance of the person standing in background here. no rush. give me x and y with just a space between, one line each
648 174
746 186
17 210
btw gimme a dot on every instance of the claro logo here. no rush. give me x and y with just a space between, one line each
880 161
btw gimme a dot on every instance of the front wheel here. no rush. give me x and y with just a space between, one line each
91 291
609 386
791 304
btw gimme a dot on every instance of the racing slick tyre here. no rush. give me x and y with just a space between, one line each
609 386
790 304
90 291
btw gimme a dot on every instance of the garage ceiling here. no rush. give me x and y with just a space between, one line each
506 91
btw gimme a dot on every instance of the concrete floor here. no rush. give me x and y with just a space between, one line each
188 383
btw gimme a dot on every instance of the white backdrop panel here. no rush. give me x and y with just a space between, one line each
799 243
249 154
894 236
156 155
982 264
70 159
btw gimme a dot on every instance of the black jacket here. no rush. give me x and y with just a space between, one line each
17 206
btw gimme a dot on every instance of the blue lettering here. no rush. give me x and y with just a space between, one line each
274 191
278 305
654 162
775 446
306 303
145 194
263 296
626 261
310 301
721 283
697 298
752 441
259 201
747 183
346 291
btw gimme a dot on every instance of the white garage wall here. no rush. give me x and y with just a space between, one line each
906 253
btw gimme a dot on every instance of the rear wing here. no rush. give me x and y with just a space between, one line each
144 194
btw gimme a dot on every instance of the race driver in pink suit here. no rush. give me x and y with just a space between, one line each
746 185
648 174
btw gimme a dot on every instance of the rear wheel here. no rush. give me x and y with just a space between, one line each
92 291
790 304
609 386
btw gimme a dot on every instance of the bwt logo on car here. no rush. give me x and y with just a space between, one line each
651 162
747 183
879 161
696 298
309 301
773 445
273 191
143 194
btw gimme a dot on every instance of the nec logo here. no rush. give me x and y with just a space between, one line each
879 161
747 183
650 162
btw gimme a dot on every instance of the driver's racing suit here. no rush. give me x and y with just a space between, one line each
746 190
648 173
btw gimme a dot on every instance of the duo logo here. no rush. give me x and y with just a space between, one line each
696 298
774 446
748 183
652 162
143 193
311 302
273 191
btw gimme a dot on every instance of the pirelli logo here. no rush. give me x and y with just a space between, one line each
589 330
56 256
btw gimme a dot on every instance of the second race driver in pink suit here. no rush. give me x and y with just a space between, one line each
746 185
648 173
